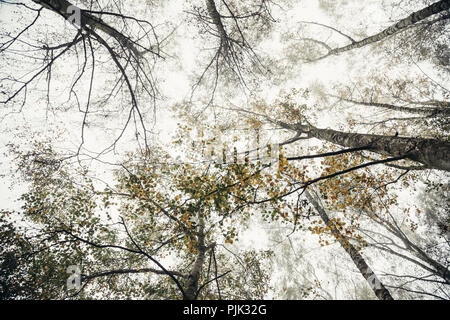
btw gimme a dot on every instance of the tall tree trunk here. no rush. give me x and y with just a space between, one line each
192 284
440 270
437 268
426 111
215 16
415 17
434 154
375 284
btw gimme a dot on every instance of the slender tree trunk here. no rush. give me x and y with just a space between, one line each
415 17
437 103
426 111
375 284
437 268
434 154
192 284
440 270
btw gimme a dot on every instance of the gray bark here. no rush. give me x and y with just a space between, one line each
439 269
375 284
194 277
426 111
215 16
415 17
434 154
436 268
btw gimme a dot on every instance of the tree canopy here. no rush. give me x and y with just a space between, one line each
212 149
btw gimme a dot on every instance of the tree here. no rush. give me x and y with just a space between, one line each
370 216
98 33
432 153
179 213
411 20
169 219
402 241
232 26
334 185
380 290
